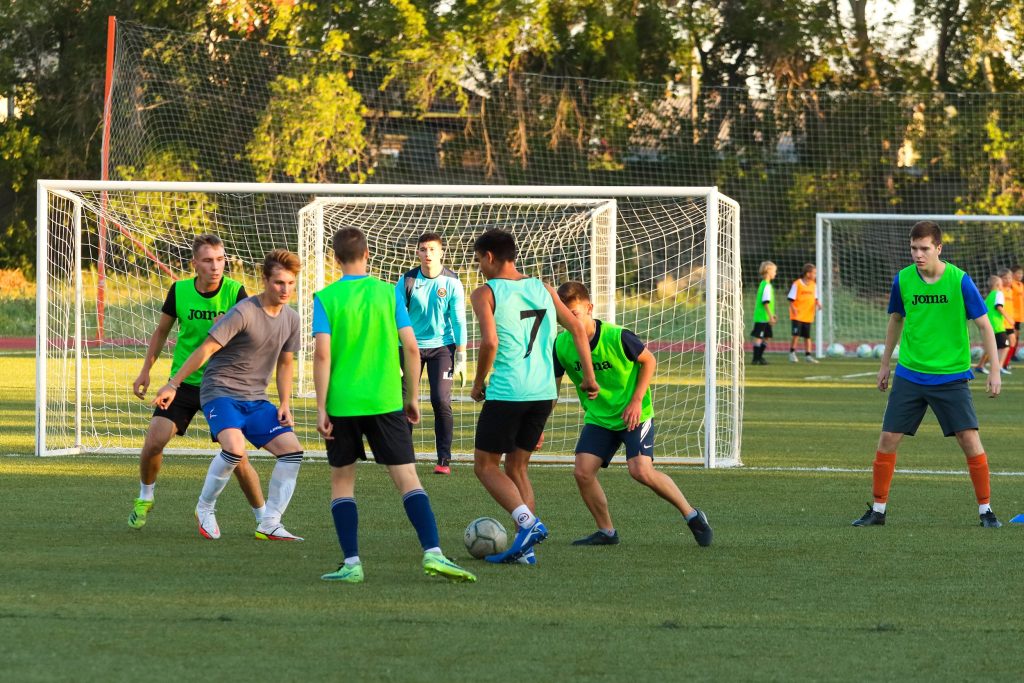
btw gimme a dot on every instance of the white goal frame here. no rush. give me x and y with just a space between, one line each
723 396
825 333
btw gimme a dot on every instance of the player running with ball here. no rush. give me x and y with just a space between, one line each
243 349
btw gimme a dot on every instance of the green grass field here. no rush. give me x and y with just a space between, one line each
788 591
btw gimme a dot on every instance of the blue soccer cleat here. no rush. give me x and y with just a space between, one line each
524 540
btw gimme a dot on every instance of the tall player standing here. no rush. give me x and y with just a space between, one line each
195 303
436 304
516 314
257 336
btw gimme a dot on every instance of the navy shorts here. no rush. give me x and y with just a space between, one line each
182 409
908 402
388 434
762 331
504 426
256 419
604 443
801 329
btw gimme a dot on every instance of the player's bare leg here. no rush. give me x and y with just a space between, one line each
232 444
505 490
516 465
288 451
161 431
641 468
487 467
585 472
249 480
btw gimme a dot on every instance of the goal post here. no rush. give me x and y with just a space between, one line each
858 255
661 261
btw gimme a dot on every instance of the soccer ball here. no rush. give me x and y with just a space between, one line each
878 350
976 353
485 536
837 350
864 351
1020 353
896 352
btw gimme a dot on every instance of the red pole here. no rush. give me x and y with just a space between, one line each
101 266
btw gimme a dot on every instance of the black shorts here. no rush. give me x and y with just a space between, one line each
387 433
1002 340
604 442
504 426
801 329
908 402
182 409
762 331
1016 327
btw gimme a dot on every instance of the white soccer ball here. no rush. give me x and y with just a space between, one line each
896 352
485 536
878 350
977 352
864 351
1020 353
837 350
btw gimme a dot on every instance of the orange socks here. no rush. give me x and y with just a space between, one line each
883 468
977 466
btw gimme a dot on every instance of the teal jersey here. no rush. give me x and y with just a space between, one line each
526 320
437 307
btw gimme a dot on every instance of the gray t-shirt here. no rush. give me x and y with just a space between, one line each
251 342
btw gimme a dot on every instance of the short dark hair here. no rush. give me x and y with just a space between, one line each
205 240
571 292
349 244
924 229
808 267
430 237
500 243
281 258
1015 267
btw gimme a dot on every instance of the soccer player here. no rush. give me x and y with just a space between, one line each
764 311
803 303
357 321
1011 314
621 415
243 348
1017 287
437 309
995 302
930 304
517 316
194 303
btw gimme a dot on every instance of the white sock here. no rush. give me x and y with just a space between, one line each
281 488
259 512
217 478
878 507
983 508
146 490
352 560
436 550
523 517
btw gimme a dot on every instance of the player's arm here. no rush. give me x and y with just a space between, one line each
457 318
285 374
322 380
156 345
411 359
648 364
195 361
482 300
988 341
579 337
893 331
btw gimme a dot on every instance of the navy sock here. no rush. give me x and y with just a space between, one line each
346 523
417 507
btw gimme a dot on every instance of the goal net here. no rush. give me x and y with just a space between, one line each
858 255
663 262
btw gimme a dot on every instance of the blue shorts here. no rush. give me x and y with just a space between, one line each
604 443
256 419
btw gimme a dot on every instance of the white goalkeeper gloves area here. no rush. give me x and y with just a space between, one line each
460 367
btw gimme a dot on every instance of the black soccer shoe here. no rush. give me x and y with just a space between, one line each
700 528
870 518
598 538
989 520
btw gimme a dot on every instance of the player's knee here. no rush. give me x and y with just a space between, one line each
641 472
582 475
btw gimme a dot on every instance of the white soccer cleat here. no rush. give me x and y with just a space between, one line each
810 359
276 533
207 522
793 358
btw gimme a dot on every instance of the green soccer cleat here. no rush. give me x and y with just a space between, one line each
349 573
439 565
137 519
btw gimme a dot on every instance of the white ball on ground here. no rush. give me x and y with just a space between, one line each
485 536
864 351
977 352
1020 353
836 350
879 350
896 352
